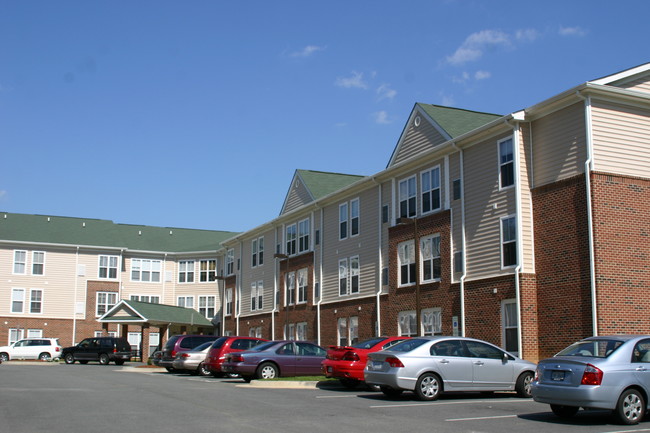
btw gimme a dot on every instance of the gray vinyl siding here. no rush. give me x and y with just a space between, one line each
365 245
456 210
621 139
297 196
485 204
418 139
559 145
264 273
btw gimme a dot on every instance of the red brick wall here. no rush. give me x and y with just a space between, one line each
365 309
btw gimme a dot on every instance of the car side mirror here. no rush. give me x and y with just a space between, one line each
506 358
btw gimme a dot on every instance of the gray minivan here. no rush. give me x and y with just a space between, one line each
181 343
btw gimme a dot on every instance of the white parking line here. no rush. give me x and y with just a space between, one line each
481 417
438 403
338 396
628 431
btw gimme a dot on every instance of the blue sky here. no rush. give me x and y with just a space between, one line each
196 114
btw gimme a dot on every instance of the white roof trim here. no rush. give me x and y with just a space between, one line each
622 75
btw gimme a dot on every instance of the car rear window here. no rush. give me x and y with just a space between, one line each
219 342
264 346
192 342
600 348
171 343
408 345
367 344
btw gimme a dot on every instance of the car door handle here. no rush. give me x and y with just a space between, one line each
641 369
479 363
444 361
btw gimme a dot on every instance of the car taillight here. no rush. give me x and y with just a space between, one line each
350 356
592 376
185 355
394 362
57 349
236 358
173 353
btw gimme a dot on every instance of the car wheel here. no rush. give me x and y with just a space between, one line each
630 407
391 392
349 383
524 385
564 411
103 359
4 357
44 356
203 370
69 358
428 387
267 371
119 362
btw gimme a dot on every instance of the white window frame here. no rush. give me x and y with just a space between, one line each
146 270
291 239
34 333
209 274
290 289
254 253
406 251
108 267
354 272
342 331
107 304
406 323
343 277
302 282
343 221
434 178
228 301
431 321
508 239
509 320
186 269
503 164
355 215
257 295
38 262
430 252
15 334
230 261
154 339
182 301
152 299
301 331
17 305
207 305
20 262
304 228
408 194
38 301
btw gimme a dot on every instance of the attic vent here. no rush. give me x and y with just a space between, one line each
417 121
171 233
83 224
48 219
139 232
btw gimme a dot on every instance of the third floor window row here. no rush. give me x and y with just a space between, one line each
429 193
21 265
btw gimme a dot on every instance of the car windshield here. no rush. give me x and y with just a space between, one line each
600 348
263 346
219 342
408 345
367 344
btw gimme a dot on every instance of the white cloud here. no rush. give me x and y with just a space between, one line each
3 194
447 100
463 78
475 45
385 92
355 81
381 117
307 51
572 31
527 35
482 75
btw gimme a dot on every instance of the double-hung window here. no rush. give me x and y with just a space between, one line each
291 240
349 275
208 270
36 301
146 270
510 325
506 163
185 301
407 198
303 236
406 263
38 263
406 323
431 319
152 299
430 184
349 219
257 252
302 285
17 300
354 217
108 267
430 252
343 277
343 221
207 305
186 271
228 302
354 274
20 262
509 241
230 261
105 301
290 289
257 295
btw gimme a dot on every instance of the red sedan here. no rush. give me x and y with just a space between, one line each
346 363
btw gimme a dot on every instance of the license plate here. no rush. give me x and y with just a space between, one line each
557 376
329 369
376 365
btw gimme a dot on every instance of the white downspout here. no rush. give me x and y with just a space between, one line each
275 286
520 247
381 264
74 309
238 288
320 277
462 238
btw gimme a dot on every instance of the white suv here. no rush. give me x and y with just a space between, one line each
44 349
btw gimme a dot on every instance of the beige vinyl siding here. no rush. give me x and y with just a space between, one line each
417 140
365 245
485 204
621 139
559 145
527 235
297 196
641 84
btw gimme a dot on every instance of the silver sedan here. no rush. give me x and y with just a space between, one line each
192 360
608 372
430 366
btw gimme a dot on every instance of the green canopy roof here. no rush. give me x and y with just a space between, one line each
128 311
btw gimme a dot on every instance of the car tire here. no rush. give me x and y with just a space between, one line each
524 385
391 392
564 411
349 383
170 369
69 358
119 362
103 359
428 387
203 370
44 357
630 407
267 370
4 357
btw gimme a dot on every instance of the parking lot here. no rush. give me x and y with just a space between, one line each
80 398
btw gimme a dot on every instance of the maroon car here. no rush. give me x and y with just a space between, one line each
225 345
346 363
276 359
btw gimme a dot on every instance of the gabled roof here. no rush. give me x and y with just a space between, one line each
623 75
127 311
317 184
104 233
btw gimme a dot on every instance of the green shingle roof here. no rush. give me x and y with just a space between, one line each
105 233
456 121
136 311
321 183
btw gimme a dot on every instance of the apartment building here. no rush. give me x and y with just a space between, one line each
526 229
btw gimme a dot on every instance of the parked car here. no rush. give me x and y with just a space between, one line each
276 359
606 372
430 366
155 357
225 345
192 360
102 349
180 343
346 363
44 349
